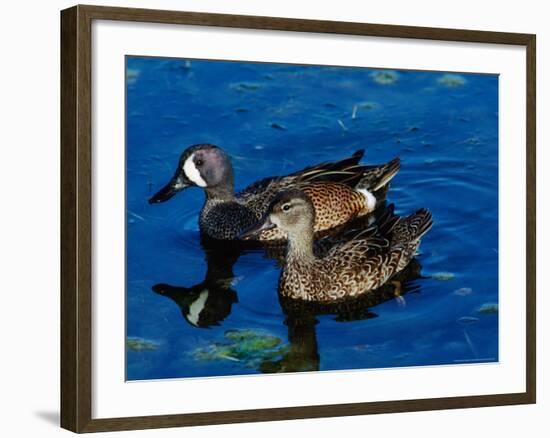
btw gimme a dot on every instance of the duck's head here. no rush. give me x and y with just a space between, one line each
201 165
292 211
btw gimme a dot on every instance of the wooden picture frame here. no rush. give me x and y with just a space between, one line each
76 217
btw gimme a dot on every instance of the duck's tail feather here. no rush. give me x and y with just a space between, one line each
375 178
413 227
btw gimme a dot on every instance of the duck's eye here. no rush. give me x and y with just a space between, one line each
286 207
199 162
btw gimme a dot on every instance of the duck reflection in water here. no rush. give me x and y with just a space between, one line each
301 319
208 303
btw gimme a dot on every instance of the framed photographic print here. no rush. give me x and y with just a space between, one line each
268 218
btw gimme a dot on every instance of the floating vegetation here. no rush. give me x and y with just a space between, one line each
467 320
141 344
135 216
488 309
248 347
277 126
344 127
384 77
472 140
463 291
245 86
451 80
364 106
443 276
132 75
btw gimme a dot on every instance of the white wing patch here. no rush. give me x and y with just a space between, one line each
196 307
370 200
192 172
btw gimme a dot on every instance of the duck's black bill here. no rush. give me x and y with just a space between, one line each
169 190
255 231
166 289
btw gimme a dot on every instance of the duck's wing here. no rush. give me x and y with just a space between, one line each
346 171
258 195
373 178
373 251
384 254
335 171
361 234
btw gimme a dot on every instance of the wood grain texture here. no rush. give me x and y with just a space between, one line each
76 222
531 213
69 327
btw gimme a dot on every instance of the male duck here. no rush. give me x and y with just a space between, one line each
362 261
340 191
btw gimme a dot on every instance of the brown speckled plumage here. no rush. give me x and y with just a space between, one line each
362 261
333 188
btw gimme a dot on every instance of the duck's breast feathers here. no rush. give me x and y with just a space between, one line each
226 220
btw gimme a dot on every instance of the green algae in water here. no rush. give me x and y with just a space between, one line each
140 344
451 80
248 347
132 75
367 106
463 291
443 276
488 309
385 77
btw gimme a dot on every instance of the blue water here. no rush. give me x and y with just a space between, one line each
274 119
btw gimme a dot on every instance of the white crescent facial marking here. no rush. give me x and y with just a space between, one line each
196 307
370 200
192 172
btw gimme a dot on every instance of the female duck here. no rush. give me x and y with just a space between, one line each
340 191
363 261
